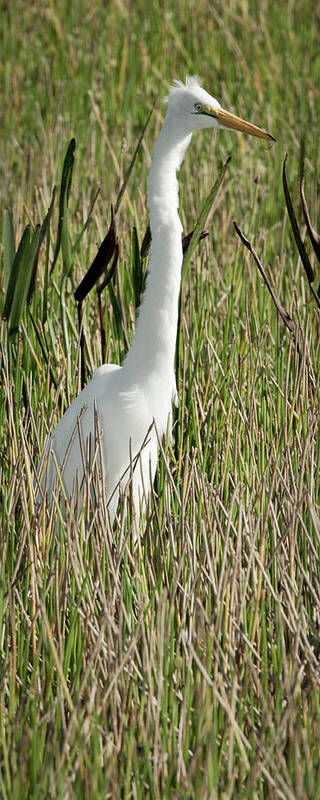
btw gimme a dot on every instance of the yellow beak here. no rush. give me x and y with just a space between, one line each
237 124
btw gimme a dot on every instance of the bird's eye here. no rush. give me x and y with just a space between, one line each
198 106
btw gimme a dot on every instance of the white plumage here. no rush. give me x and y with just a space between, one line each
129 406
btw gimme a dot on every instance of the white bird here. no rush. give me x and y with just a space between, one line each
130 405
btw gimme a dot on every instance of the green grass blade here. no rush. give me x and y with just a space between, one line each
9 247
198 233
62 233
43 232
23 247
46 279
202 218
64 321
132 162
24 274
43 348
65 239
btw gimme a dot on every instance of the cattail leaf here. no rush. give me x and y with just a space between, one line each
65 239
43 231
116 309
313 234
19 256
9 246
100 289
146 242
23 279
294 226
111 271
137 271
63 312
187 239
62 233
202 218
46 278
99 264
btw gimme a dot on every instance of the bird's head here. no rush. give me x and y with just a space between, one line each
192 108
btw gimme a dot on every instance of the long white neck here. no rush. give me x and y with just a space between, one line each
152 352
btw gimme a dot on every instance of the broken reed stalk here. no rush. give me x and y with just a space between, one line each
289 323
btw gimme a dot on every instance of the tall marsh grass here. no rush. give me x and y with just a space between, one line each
183 662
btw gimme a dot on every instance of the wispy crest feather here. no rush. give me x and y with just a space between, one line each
192 82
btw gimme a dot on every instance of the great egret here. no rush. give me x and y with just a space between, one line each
130 405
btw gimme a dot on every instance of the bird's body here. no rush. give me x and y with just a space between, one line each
109 418
127 408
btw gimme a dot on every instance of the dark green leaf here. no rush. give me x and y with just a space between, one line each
62 233
146 242
111 271
187 239
294 226
100 289
99 264
18 259
65 240
63 311
44 228
46 279
116 309
23 281
9 247
314 235
137 271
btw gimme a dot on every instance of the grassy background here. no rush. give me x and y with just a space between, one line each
189 666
